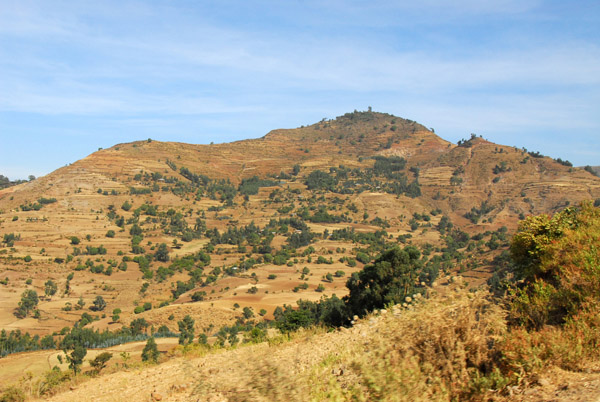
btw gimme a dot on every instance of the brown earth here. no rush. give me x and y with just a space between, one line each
84 193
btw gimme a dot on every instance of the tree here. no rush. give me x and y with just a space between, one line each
138 326
150 352
247 312
29 300
162 253
186 329
50 288
75 358
99 303
99 362
75 240
389 279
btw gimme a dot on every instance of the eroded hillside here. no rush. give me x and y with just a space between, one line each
159 231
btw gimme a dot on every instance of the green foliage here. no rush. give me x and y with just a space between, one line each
198 296
162 253
388 166
330 312
75 358
389 279
186 330
99 362
29 300
250 186
591 170
363 257
558 261
99 303
319 180
247 312
50 288
150 352
75 240
476 213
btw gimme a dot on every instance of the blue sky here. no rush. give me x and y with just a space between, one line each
79 75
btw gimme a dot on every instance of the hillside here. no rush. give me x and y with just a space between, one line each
226 233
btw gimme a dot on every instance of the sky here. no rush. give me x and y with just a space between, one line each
76 76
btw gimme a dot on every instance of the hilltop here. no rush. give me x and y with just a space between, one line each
226 233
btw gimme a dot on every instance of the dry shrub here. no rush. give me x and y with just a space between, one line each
573 346
439 351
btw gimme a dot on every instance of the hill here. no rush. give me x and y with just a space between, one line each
226 233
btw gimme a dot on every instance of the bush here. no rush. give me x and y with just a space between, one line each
150 352
99 362
388 280
13 394
556 258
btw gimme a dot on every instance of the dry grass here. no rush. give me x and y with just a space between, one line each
428 353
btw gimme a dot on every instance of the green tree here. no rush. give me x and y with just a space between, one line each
138 326
29 300
162 253
247 312
186 330
99 362
75 358
50 288
150 352
389 279
99 303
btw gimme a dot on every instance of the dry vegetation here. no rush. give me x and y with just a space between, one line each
385 182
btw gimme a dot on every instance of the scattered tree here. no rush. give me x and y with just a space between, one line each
50 288
150 352
99 303
186 330
29 300
99 362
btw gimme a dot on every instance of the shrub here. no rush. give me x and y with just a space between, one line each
150 352
388 280
99 362
556 258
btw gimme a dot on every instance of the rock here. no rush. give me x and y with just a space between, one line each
156 396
